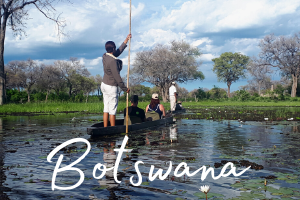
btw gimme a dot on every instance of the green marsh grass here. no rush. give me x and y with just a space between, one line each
53 107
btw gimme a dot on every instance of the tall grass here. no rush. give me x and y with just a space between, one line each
64 107
50 107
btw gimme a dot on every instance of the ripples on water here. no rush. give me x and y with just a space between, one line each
26 142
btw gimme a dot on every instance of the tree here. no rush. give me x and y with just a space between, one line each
230 67
282 52
50 77
14 71
164 64
14 15
32 74
261 73
139 90
182 92
98 80
69 70
200 94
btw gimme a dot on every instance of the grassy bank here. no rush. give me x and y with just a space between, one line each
62 107
98 107
241 103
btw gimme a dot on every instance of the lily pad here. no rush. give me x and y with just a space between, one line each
209 195
145 183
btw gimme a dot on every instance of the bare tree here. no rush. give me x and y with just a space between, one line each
163 64
98 80
282 52
182 92
14 71
32 73
89 85
14 14
69 70
261 73
193 94
50 77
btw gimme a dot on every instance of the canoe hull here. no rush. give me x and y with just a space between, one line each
98 130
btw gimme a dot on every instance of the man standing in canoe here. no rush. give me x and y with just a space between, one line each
111 80
173 96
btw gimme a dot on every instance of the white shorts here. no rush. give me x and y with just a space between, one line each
173 103
110 98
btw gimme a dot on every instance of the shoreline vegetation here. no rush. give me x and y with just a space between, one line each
97 107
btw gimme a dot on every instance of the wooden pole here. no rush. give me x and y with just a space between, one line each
128 69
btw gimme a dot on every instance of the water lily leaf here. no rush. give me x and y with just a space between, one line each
145 183
251 195
102 187
276 194
68 182
285 190
209 195
292 181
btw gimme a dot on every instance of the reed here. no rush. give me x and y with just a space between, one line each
54 107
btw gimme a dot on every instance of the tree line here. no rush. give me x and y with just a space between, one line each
162 65
63 78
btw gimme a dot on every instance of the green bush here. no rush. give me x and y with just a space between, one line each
242 95
79 97
39 96
293 99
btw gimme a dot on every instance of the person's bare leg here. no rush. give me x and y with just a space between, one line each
105 119
112 119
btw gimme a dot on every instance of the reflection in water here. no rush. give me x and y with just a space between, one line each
109 159
3 196
173 133
229 138
195 142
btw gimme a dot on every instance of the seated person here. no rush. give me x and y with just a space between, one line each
155 110
135 114
178 106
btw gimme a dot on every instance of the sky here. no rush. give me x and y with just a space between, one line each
214 26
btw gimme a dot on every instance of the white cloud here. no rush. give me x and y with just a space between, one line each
201 41
95 61
207 57
158 36
218 15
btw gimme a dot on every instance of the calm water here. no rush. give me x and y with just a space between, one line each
25 143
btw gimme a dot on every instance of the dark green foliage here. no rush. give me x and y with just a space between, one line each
242 95
217 93
230 67
201 94
13 95
39 96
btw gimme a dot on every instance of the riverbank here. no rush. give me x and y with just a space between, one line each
63 107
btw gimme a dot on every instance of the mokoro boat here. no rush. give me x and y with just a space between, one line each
97 130
178 111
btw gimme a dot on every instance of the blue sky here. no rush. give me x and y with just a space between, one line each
214 26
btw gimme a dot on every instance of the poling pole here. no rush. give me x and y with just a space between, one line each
128 69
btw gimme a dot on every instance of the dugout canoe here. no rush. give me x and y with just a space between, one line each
178 111
98 130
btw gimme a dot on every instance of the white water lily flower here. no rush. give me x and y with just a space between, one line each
205 189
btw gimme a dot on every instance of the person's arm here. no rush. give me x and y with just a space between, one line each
175 94
147 108
116 75
122 47
161 107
